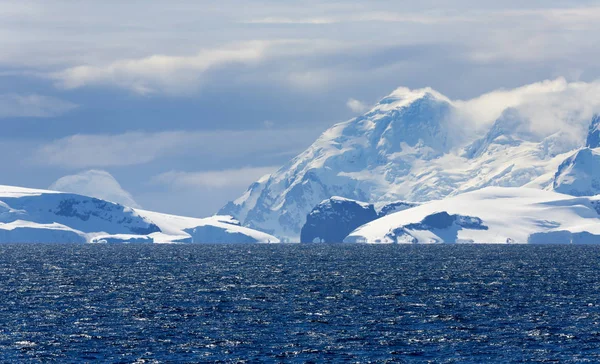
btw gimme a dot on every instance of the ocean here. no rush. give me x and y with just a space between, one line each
299 303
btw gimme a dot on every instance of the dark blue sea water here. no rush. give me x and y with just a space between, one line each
144 303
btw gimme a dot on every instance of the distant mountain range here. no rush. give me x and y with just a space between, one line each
40 216
413 169
417 146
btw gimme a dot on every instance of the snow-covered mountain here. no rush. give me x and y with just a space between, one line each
333 219
491 215
593 138
40 216
416 146
579 175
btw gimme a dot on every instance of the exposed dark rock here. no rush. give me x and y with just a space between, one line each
333 219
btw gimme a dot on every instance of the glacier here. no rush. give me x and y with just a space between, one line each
491 215
417 146
44 216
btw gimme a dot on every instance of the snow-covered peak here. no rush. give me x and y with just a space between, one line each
416 146
579 175
15 192
414 122
347 160
403 96
510 129
593 138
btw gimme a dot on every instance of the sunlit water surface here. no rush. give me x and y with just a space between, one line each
355 303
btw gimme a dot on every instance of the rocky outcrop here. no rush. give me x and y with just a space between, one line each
333 219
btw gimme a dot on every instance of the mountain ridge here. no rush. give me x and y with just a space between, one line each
43 216
416 146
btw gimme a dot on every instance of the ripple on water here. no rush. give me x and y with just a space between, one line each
299 303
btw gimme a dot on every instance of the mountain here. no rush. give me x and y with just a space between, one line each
333 219
491 215
40 216
593 138
415 146
95 183
579 175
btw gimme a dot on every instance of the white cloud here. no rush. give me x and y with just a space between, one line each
487 108
356 105
95 183
546 108
309 79
164 57
228 178
104 150
571 16
161 73
81 150
146 75
32 105
287 20
366 17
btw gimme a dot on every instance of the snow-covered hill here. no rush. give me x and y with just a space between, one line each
491 215
417 146
40 216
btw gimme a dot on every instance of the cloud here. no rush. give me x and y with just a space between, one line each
162 72
284 60
133 148
32 105
356 106
287 20
228 178
258 47
81 150
486 108
545 108
437 15
365 17
95 183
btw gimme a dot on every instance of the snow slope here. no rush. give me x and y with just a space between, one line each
579 175
414 145
40 216
490 215
593 139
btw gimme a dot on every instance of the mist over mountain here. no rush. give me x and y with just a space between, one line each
95 183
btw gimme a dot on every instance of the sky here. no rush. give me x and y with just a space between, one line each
185 103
